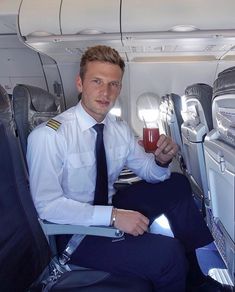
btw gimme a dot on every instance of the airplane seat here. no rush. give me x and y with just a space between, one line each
174 121
32 106
163 110
24 251
219 149
197 117
6 112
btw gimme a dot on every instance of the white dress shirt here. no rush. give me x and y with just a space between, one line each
62 166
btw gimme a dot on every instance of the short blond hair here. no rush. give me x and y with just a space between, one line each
101 54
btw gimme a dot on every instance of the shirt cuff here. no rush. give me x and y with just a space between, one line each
163 164
102 215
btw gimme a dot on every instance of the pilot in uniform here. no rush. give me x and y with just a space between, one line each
62 167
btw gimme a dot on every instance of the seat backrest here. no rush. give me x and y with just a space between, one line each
163 107
174 122
32 106
219 149
198 99
197 116
175 119
24 251
223 106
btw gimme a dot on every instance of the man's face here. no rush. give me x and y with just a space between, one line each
100 88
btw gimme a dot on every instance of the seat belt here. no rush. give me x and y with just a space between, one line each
58 266
71 246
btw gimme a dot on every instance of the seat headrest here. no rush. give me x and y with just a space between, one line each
32 106
41 100
199 91
203 93
225 83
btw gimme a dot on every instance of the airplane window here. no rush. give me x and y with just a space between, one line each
148 108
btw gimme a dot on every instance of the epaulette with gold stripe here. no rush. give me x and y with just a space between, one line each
54 124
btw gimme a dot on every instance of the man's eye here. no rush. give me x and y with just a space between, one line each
115 84
96 81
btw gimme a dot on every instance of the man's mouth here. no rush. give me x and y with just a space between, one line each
103 102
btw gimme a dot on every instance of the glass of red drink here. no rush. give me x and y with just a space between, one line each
150 138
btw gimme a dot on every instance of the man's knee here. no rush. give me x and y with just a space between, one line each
181 184
173 272
176 253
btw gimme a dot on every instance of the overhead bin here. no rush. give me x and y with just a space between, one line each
64 29
55 17
39 18
152 15
90 17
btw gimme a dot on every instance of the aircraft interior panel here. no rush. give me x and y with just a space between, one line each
221 184
221 176
30 18
77 18
68 73
156 11
19 64
162 78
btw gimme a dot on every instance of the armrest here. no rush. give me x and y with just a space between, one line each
50 228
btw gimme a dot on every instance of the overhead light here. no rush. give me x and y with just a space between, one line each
184 28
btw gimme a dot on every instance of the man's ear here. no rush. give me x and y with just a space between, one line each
79 83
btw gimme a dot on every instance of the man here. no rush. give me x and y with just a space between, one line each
64 179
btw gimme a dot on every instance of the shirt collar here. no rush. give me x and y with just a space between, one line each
85 120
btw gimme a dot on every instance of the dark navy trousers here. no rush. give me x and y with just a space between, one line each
158 258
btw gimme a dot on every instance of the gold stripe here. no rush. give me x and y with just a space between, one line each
53 124
54 121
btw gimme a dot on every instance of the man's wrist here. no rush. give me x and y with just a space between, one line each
113 217
163 164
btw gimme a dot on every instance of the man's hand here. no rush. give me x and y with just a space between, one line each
131 222
166 149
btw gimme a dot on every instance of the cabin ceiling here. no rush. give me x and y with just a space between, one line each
139 30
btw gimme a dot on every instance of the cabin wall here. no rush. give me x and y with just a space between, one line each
163 78
19 64
68 73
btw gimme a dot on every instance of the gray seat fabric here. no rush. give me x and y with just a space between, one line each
224 84
175 120
6 113
176 105
223 105
164 107
219 150
32 106
197 123
203 93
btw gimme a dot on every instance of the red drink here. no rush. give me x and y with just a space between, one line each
150 138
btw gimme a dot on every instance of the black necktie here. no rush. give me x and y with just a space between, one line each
101 187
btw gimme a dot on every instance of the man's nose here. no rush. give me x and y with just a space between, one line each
105 89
